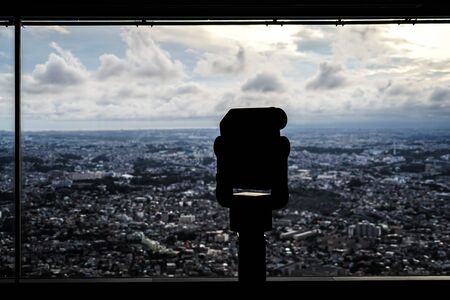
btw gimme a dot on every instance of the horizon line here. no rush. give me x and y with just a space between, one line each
217 128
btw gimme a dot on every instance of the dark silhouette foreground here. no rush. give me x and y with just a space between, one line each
252 179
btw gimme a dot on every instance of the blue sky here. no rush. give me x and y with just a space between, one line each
128 77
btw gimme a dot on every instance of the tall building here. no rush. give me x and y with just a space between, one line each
364 229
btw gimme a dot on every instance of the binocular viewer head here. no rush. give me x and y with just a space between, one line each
252 155
262 122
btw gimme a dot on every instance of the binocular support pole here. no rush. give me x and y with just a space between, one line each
250 218
252 256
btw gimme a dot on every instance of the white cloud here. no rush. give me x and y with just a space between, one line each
111 66
61 70
48 29
440 95
144 59
363 46
314 41
329 77
264 82
200 39
219 63
6 95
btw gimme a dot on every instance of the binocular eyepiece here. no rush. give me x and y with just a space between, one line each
253 122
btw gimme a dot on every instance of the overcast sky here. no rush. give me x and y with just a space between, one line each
145 77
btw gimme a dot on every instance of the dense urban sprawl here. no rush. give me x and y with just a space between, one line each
142 203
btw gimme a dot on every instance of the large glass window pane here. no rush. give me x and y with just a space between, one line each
7 224
116 184
119 124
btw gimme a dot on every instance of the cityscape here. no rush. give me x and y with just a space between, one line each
7 224
141 203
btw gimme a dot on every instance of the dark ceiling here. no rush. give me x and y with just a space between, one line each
231 9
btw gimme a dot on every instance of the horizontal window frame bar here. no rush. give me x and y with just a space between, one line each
221 18
274 22
181 21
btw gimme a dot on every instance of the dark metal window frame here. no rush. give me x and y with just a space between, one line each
19 21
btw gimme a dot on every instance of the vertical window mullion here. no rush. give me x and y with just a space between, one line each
17 146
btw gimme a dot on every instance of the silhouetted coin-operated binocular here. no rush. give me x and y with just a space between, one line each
252 168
